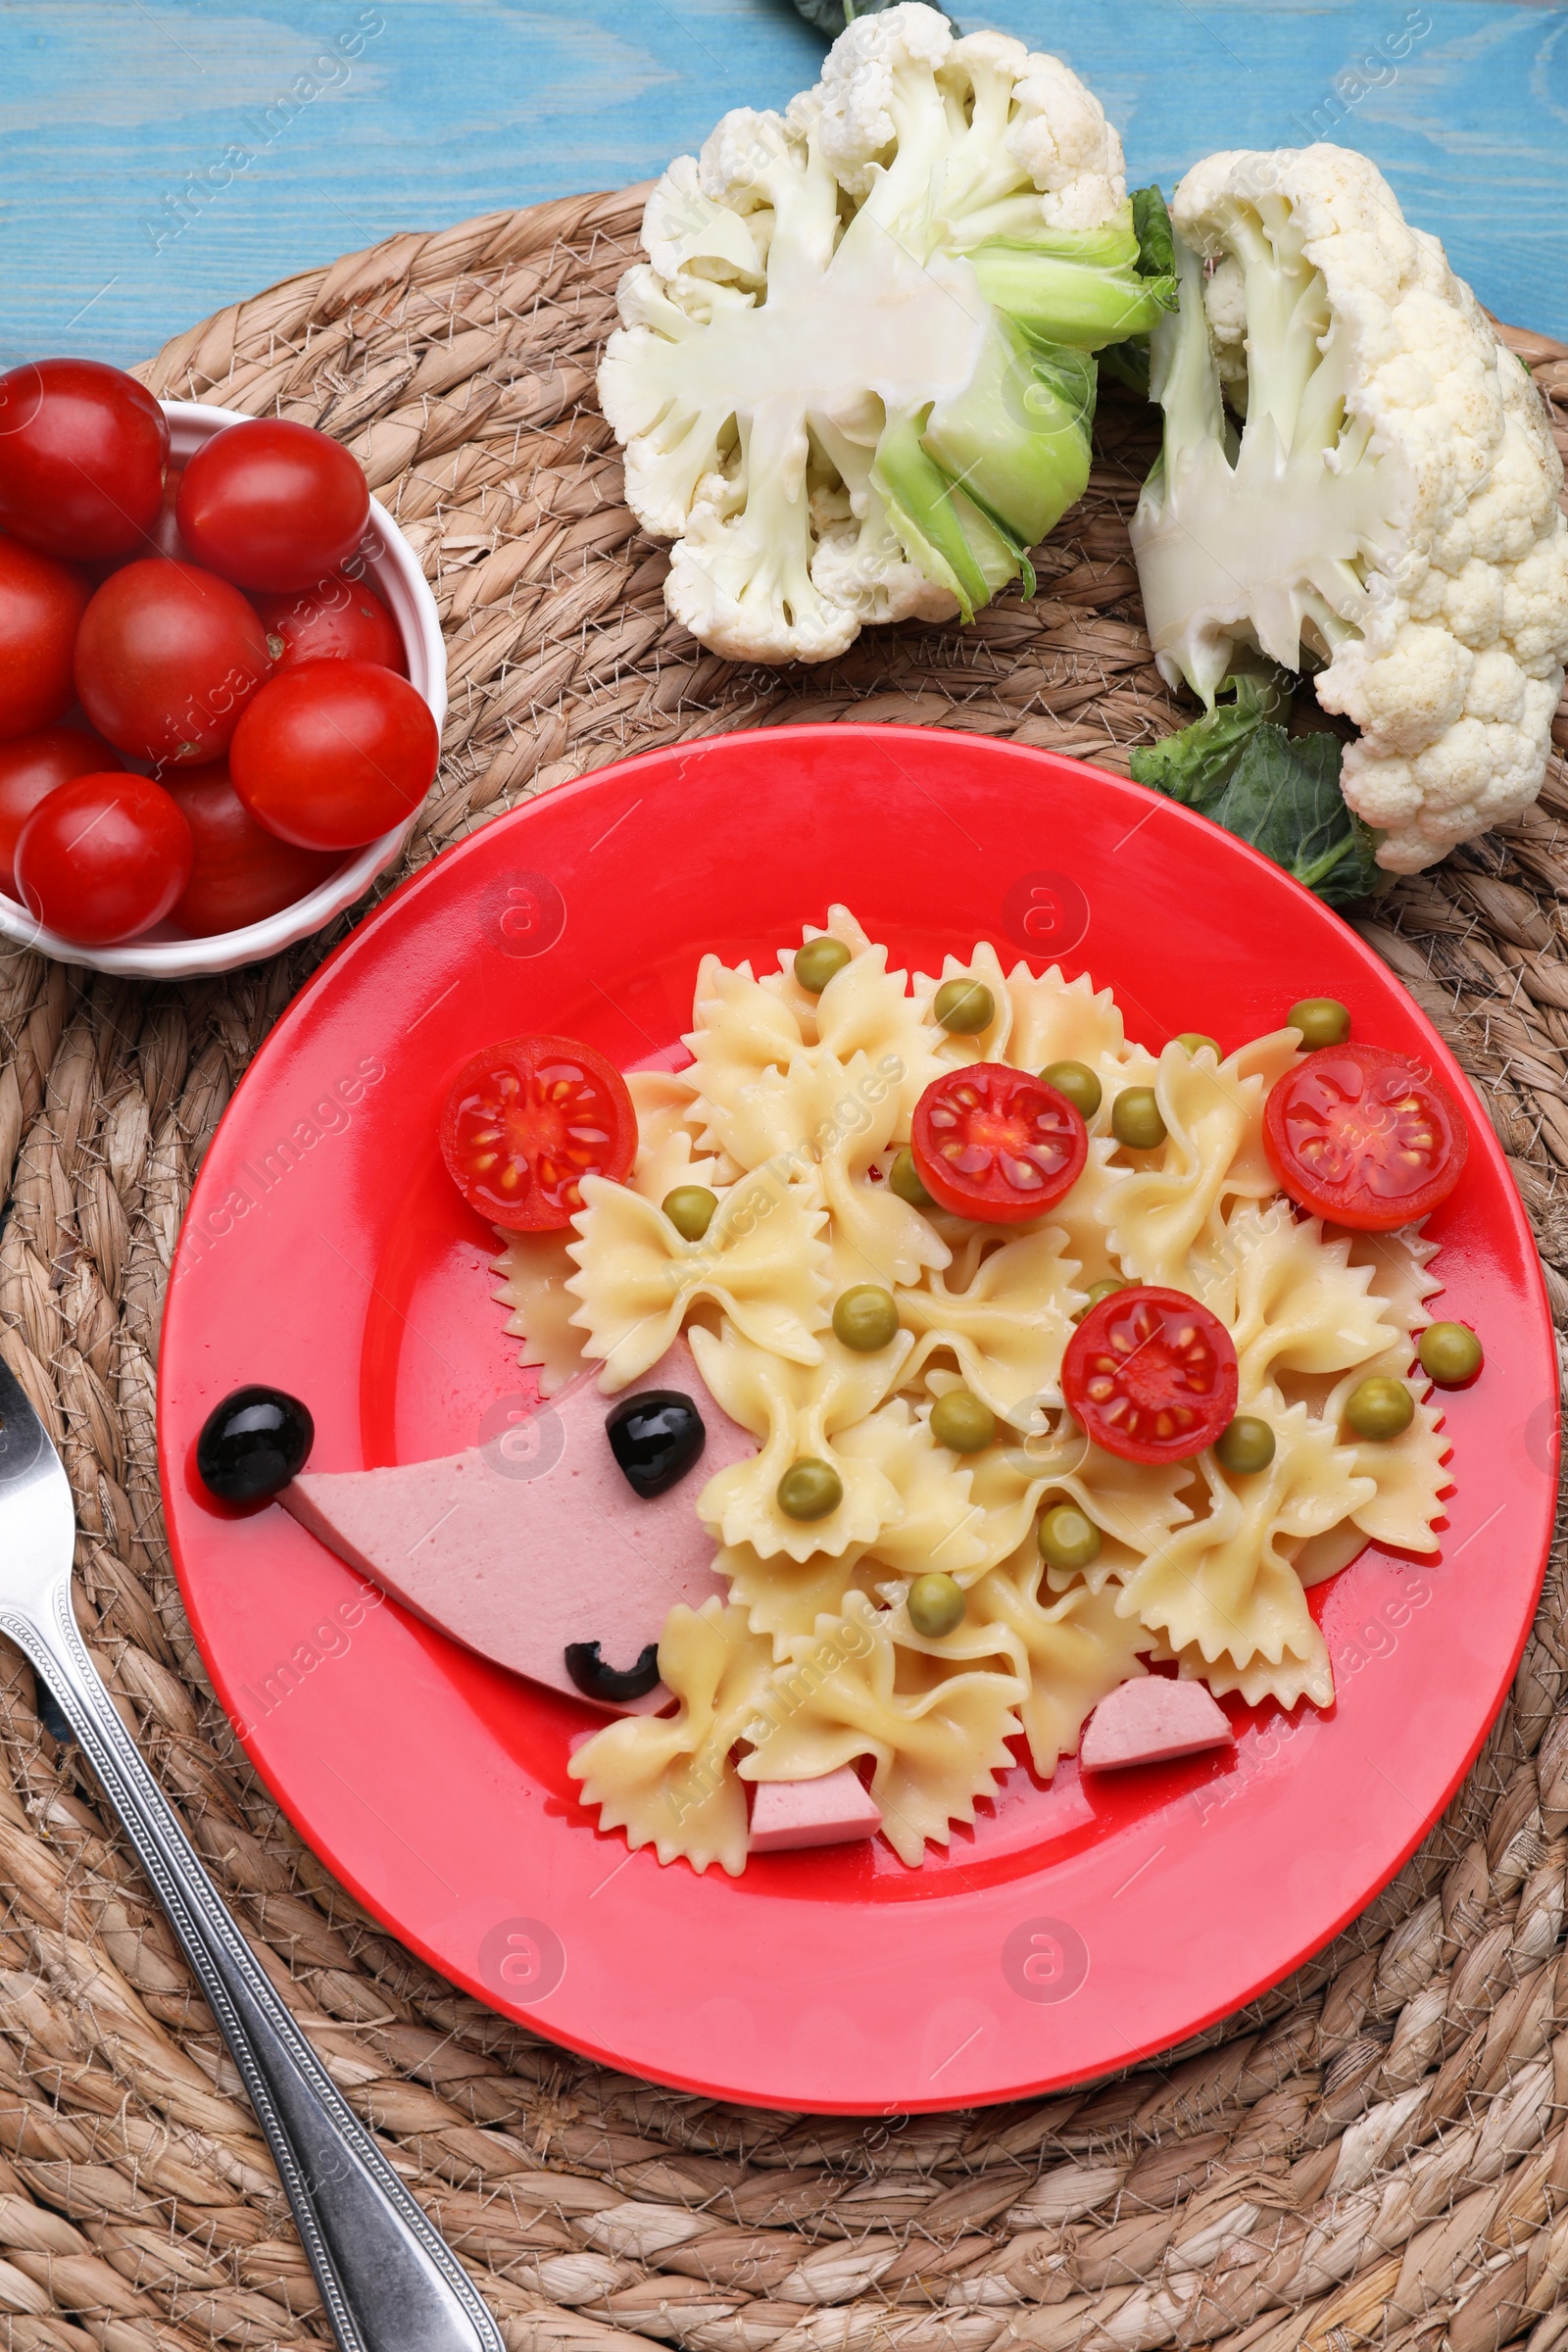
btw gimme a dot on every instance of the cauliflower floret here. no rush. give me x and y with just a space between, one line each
856 379
1392 509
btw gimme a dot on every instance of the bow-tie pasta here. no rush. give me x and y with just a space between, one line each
936 1440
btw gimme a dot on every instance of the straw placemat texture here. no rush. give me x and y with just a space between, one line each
1376 2153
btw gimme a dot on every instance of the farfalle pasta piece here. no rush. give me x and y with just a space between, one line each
664 1101
1071 1020
1213 1151
1009 1327
1075 1649
1083 1214
936 1524
841 925
741 1031
668 1162
936 1750
1398 1263
763 1262
796 1410
534 1271
1293 1301
783 1598
1405 1473
954 1048
1221 1583
668 1780
1289 1679
1137 1504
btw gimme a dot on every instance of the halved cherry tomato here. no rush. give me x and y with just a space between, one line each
30 766
103 857
242 874
167 657
526 1120
334 754
1364 1137
272 504
997 1144
83 452
1150 1376
335 620
41 604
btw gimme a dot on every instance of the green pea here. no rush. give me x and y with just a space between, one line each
959 1420
1380 1408
1246 1446
1068 1538
818 962
936 1606
1322 1021
1135 1119
1451 1355
809 1489
904 1178
1097 1292
965 1005
1077 1082
1192 1039
690 1209
865 1318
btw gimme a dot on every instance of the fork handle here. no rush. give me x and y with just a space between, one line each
388 2280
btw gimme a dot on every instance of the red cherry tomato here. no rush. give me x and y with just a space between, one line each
272 505
104 858
334 754
526 1120
167 659
1150 1376
241 873
41 604
338 620
995 1143
1364 1137
30 766
83 452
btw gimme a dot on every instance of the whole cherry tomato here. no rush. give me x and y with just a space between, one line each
41 604
83 452
334 754
526 1120
1150 1376
241 873
31 766
995 1143
272 505
1364 1137
167 659
104 858
337 619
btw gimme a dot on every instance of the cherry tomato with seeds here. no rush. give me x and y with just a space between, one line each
1364 1138
30 766
41 604
997 1144
240 874
167 657
83 452
334 754
336 619
1150 1376
272 505
104 858
526 1120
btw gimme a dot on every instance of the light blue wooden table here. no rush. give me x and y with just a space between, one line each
159 158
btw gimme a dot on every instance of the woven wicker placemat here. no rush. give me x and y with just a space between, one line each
1376 2153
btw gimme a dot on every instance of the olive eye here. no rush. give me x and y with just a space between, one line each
655 1436
612 1685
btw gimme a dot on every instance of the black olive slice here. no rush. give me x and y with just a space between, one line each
252 1443
656 1437
595 1680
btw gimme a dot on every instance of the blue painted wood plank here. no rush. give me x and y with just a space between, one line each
159 158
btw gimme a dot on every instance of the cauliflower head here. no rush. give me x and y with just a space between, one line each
855 376
1357 477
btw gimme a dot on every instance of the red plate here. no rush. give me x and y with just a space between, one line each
1077 1926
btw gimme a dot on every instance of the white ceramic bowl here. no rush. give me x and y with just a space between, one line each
158 954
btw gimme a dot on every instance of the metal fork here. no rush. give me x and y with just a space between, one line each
388 2280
